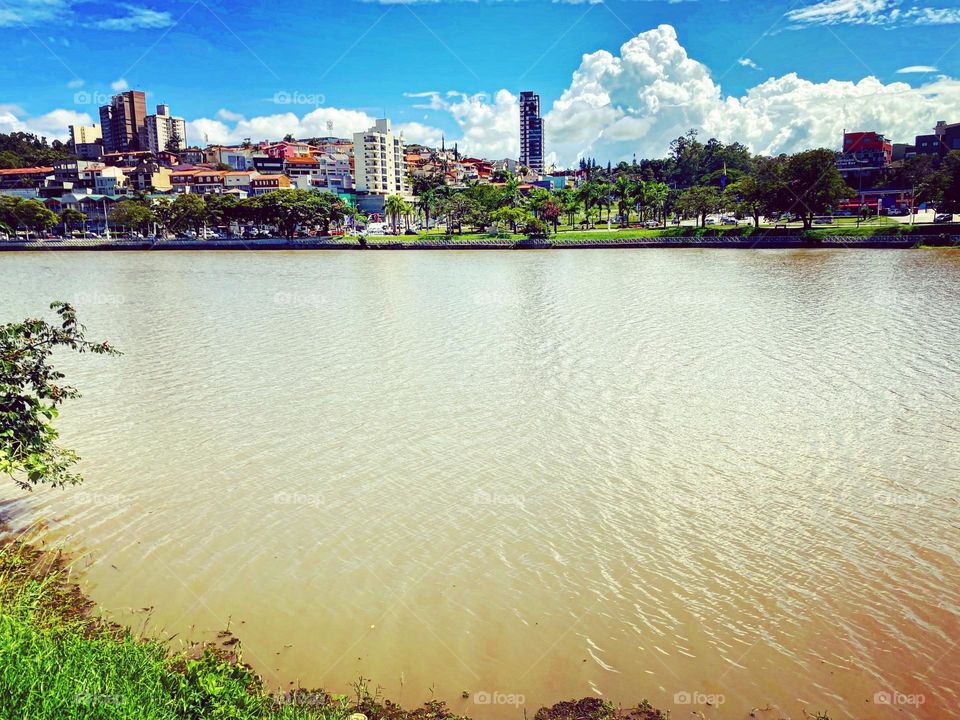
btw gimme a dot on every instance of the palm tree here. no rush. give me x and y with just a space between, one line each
394 208
623 190
426 201
657 194
511 192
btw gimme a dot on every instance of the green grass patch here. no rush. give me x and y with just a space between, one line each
60 661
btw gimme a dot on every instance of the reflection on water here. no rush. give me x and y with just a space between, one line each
665 474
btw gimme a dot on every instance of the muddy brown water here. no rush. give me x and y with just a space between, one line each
689 476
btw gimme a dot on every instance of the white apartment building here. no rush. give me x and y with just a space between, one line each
379 162
160 129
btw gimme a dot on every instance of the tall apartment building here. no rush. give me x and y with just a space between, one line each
531 132
122 120
379 161
86 141
163 131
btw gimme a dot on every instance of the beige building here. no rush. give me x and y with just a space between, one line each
379 166
86 141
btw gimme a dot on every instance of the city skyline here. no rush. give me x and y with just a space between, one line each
615 78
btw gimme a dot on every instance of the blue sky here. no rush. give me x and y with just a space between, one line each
229 67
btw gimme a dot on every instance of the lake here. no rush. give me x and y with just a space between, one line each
689 476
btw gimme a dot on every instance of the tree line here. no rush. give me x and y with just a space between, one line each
289 211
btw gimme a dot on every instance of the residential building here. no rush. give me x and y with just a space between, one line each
263 163
239 182
108 180
200 181
531 132
287 149
379 164
191 155
238 158
150 176
163 131
86 141
122 121
24 178
945 137
262 184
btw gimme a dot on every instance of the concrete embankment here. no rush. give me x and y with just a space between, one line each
454 243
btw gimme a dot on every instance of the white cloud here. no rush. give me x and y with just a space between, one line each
137 18
119 85
640 99
916 69
75 83
747 62
488 128
230 126
53 125
871 12
31 12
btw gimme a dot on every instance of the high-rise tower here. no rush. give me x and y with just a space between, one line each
531 132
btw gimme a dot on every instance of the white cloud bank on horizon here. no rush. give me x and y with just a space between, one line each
634 101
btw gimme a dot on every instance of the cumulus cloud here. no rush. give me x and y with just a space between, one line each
137 18
638 100
747 62
871 12
119 85
229 126
488 127
53 125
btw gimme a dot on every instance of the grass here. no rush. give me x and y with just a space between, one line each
843 229
60 661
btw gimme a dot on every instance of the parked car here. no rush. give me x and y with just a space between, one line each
728 220
943 217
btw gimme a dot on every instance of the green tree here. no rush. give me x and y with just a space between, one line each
34 215
699 201
763 192
72 218
221 208
624 190
133 215
188 211
31 393
395 208
942 187
815 184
